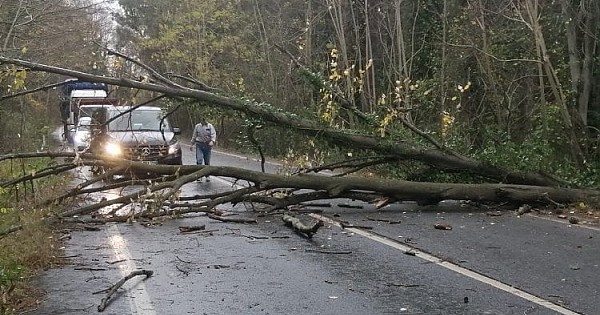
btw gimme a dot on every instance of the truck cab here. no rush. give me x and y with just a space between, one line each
74 94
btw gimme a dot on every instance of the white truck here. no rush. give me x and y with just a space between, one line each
76 93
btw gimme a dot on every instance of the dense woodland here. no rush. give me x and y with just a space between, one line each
506 82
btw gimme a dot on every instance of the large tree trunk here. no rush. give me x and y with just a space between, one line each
307 188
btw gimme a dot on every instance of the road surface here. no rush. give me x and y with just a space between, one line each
398 263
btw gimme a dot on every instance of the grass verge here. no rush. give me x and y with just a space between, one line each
28 243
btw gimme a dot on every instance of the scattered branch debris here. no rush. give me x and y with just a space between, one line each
185 261
90 268
573 220
347 225
185 272
524 209
114 287
442 226
405 285
188 229
11 230
390 221
298 226
318 204
231 220
322 251
117 261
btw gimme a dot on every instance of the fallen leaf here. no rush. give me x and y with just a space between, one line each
573 220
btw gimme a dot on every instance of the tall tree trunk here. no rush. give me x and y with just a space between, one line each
402 62
265 46
533 21
590 41
443 84
337 18
369 93
12 27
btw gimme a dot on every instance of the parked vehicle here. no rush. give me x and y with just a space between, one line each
75 94
82 135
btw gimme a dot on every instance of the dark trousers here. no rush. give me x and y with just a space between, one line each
203 151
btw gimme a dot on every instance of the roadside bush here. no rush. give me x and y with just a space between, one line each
27 242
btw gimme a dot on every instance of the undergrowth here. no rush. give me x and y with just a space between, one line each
28 244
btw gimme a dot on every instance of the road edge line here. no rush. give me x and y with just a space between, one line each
451 266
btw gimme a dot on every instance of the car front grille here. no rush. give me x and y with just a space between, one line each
146 153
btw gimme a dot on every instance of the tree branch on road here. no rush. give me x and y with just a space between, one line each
120 283
159 196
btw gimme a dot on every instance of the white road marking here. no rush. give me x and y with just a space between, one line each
138 297
563 221
456 268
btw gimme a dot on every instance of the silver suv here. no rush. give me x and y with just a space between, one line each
143 134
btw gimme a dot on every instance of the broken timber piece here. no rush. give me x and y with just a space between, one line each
187 229
114 287
298 226
231 220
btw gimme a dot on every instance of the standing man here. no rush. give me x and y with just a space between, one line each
203 137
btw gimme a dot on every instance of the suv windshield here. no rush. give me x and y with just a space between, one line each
139 119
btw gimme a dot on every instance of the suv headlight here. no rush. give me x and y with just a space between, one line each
174 148
113 149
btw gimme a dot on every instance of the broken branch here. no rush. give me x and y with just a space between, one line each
114 287
298 226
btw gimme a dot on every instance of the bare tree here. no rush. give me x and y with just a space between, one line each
529 11
581 23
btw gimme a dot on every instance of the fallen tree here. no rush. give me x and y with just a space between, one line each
399 150
159 197
506 186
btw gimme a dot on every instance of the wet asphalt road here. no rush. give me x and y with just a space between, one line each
268 269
